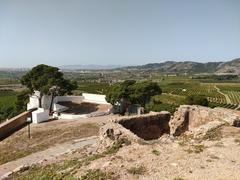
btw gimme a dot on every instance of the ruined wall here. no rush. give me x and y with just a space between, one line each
188 118
134 128
148 127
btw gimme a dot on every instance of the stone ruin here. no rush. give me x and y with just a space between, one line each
135 128
194 119
199 119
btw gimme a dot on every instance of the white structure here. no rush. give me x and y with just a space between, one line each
33 101
74 99
59 108
94 98
40 115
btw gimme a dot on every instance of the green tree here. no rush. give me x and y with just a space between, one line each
132 92
197 100
7 112
141 93
22 100
119 91
43 77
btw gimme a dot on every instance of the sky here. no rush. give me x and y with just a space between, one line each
117 32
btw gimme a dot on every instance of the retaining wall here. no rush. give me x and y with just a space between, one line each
75 99
95 98
14 124
86 97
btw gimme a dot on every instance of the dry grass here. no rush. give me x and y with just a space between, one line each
156 152
18 145
214 135
137 170
96 174
197 148
66 169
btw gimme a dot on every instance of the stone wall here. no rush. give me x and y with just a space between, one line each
134 128
148 127
189 118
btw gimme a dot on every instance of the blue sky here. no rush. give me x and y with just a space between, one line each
62 32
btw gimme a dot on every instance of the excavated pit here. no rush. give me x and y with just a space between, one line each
148 127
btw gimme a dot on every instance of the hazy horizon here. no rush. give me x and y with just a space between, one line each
126 32
103 66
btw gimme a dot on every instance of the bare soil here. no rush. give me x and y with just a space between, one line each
216 158
47 134
166 159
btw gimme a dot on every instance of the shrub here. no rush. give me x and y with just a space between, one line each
137 170
197 100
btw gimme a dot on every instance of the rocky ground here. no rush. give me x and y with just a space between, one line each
202 143
182 158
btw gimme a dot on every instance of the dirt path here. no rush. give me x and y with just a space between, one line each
53 152
225 95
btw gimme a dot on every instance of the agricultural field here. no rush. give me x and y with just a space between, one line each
232 91
223 92
177 88
92 87
225 95
7 104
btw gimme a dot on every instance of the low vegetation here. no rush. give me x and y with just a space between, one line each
176 87
137 170
67 168
96 174
41 139
237 141
214 135
8 99
196 148
156 152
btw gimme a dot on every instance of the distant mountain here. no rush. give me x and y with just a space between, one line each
179 67
229 67
190 67
89 67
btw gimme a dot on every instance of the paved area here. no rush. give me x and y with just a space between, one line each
53 152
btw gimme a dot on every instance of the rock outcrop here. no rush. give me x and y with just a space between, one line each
191 118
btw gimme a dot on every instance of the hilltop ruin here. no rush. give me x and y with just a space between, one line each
195 120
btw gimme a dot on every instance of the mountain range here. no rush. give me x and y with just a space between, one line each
227 67
231 67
